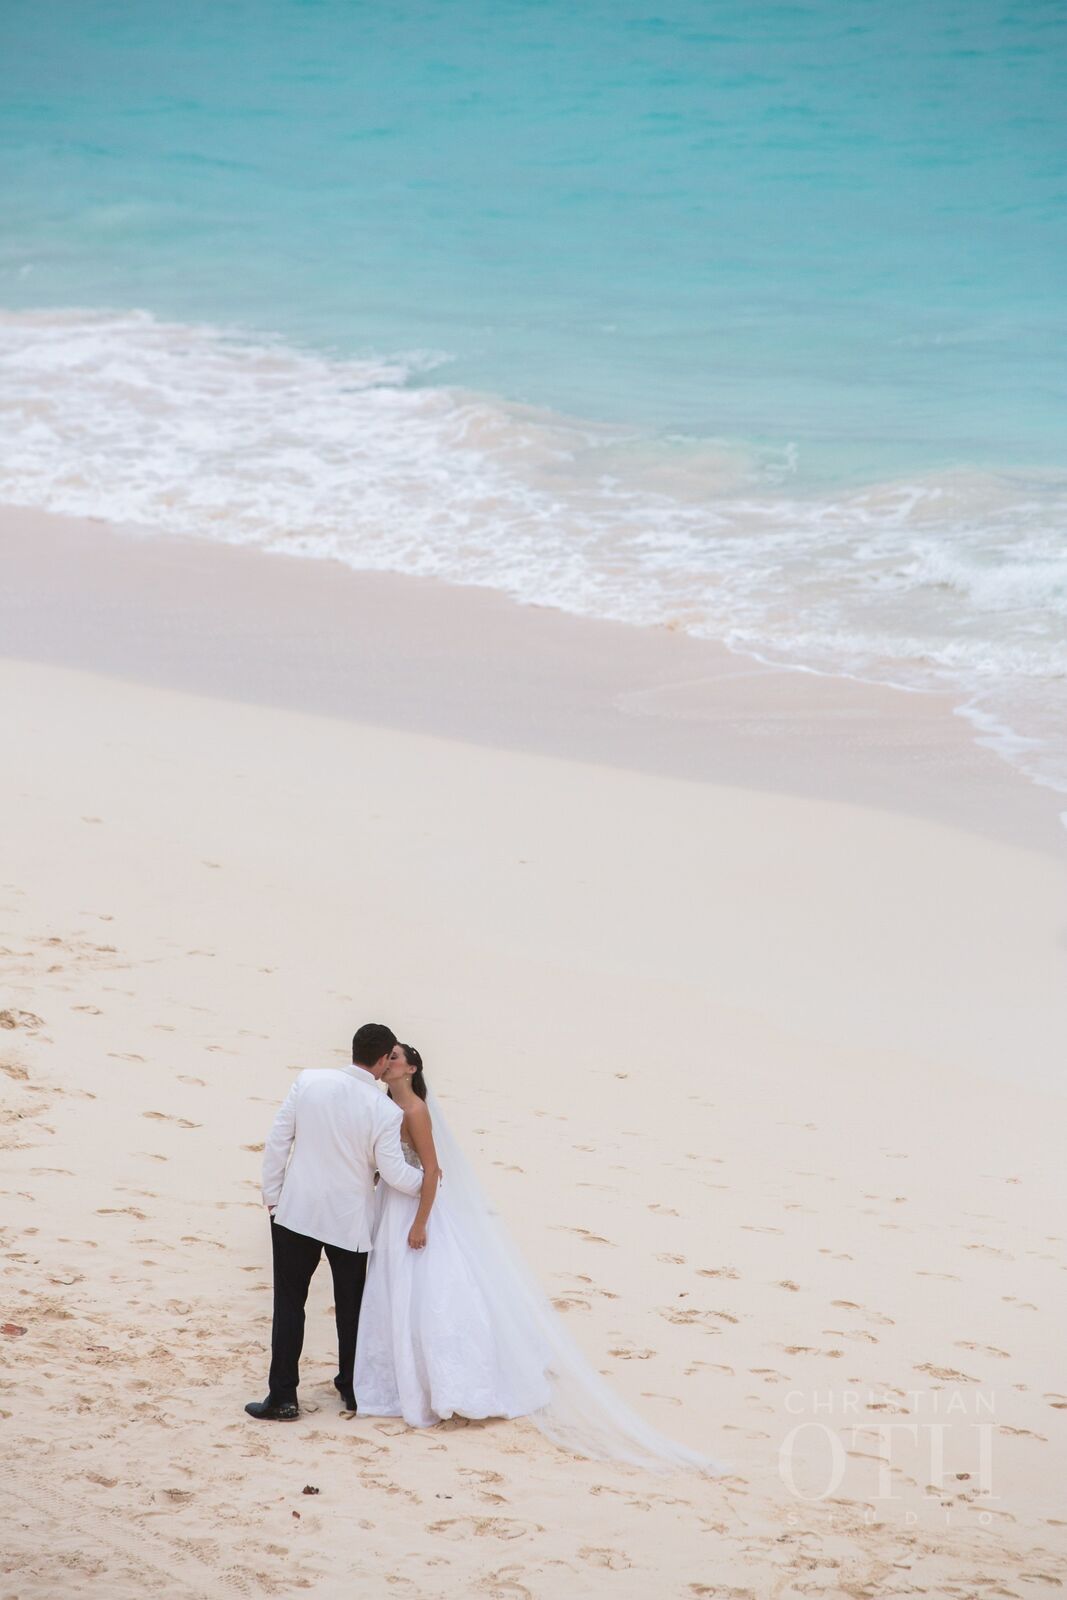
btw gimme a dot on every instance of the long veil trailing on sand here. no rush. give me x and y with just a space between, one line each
582 1413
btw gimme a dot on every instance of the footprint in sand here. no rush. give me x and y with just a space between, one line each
674 1261
21 1019
983 1349
946 1374
752 1227
663 1211
162 1116
687 1316
483 1475
787 1283
583 1233
875 1316
504 1584
600 1556
483 1482
483 1528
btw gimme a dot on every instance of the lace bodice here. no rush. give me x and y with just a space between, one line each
409 1155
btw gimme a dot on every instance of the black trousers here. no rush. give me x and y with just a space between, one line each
295 1259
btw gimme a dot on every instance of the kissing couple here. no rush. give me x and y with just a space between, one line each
437 1316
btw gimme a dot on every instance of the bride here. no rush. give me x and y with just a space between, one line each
453 1325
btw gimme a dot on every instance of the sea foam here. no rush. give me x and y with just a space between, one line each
954 581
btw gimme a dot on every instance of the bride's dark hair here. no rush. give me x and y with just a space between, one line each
413 1059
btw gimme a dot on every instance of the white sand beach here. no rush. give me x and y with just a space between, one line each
746 991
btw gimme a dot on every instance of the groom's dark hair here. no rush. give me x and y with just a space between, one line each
371 1042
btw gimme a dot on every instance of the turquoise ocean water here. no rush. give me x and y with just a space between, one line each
745 318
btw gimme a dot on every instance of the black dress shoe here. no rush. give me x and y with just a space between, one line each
269 1410
348 1399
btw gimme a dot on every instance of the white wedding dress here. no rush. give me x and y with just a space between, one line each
461 1328
427 1346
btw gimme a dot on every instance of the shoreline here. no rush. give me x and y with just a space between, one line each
412 653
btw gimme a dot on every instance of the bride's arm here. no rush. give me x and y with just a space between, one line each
421 1130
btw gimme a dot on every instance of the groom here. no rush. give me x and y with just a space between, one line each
333 1131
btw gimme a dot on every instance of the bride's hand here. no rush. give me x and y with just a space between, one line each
417 1237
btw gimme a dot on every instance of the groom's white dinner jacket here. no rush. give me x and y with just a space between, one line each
334 1129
